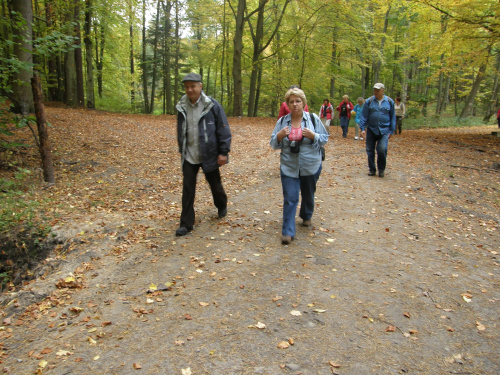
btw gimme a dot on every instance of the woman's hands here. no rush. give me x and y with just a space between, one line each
308 133
283 133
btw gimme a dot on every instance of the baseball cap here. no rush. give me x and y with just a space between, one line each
193 77
379 86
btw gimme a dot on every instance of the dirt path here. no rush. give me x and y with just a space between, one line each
398 275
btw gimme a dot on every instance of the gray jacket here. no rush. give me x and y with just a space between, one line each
214 132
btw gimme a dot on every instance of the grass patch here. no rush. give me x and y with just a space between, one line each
434 122
23 230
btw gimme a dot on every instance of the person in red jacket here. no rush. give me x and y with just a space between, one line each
326 114
284 110
498 118
345 107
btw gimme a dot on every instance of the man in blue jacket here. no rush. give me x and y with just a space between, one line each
204 140
379 119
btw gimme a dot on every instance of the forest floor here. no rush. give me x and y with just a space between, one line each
397 275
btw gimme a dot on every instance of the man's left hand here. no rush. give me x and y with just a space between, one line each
221 159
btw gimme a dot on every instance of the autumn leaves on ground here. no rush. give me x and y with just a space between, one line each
397 274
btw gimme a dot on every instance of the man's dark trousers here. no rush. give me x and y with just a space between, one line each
190 172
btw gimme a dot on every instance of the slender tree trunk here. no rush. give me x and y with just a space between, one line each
43 135
80 87
333 61
440 93
70 78
99 55
89 55
52 85
378 63
446 98
473 92
237 56
22 31
491 108
177 52
257 94
144 57
155 57
131 58
168 59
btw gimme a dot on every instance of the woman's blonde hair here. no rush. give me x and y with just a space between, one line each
361 100
297 92
345 97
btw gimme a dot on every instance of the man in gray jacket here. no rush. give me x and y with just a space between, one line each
204 140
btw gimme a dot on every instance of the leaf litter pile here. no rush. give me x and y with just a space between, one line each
397 274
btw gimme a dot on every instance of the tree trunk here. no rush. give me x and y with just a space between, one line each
144 57
99 56
167 81
131 58
43 135
491 108
89 83
70 78
378 64
473 92
257 48
333 61
237 55
80 88
155 57
22 38
177 52
52 81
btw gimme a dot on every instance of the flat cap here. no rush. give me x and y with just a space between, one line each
193 77
379 86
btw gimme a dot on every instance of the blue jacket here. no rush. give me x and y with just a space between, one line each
215 135
308 160
358 108
380 119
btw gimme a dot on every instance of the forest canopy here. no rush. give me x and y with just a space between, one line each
128 55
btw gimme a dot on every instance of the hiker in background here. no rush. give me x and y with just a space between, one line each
204 141
299 135
326 114
344 108
357 113
400 114
378 122
284 110
498 118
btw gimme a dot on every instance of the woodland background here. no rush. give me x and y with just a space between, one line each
129 56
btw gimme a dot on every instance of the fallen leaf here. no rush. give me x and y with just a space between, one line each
283 345
480 327
63 353
136 366
295 313
334 364
204 304
390 329
186 371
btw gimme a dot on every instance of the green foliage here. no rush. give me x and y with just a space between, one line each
15 209
434 122
54 43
